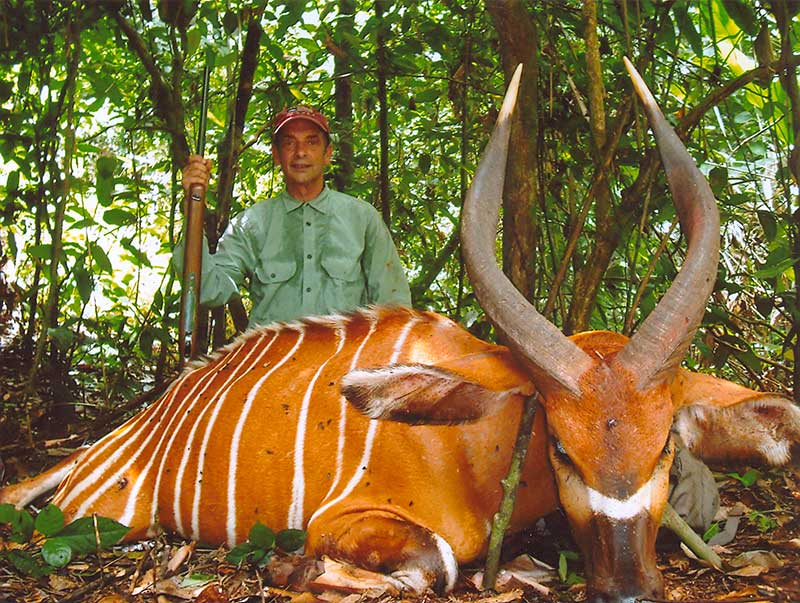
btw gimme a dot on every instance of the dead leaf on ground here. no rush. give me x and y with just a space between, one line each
180 557
212 593
512 595
61 583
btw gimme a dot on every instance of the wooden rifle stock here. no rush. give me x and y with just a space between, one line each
192 271
195 207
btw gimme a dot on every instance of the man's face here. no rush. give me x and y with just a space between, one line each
303 152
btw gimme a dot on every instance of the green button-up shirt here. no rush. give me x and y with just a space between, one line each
330 254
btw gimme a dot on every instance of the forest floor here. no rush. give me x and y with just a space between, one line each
762 560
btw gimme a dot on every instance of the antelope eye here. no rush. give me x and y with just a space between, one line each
561 452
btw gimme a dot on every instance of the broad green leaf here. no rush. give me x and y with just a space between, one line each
106 164
8 512
80 534
104 190
62 337
768 224
197 579
771 270
42 251
49 520
101 259
261 536
83 281
21 527
748 479
57 552
118 216
290 539
12 182
687 28
27 564
743 15
239 553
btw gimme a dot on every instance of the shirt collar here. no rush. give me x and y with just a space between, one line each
319 203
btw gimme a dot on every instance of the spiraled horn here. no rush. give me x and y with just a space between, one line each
660 344
532 336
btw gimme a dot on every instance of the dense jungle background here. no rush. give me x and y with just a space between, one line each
100 106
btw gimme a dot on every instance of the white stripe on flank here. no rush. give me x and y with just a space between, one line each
126 433
237 435
197 488
295 519
373 318
369 441
638 502
99 491
162 454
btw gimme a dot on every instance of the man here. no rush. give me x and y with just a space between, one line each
310 250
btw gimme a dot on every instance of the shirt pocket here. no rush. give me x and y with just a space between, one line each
342 267
275 272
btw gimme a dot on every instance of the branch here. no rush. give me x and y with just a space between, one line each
168 105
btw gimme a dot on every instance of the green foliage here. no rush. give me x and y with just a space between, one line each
117 301
49 544
749 478
565 574
764 522
262 542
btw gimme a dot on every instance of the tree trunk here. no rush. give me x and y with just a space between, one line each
589 277
788 79
519 43
383 112
343 94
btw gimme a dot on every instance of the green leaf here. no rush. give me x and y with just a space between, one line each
261 536
8 512
104 189
83 280
290 539
239 553
12 182
119 217
62 337
712 531
687 28
743 15
22 527
80 534
106 164
769 270
101 259
197 579
57 552
49 520
26 563
768 224
748 479
42 251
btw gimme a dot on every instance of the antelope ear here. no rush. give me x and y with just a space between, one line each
721 421
449 393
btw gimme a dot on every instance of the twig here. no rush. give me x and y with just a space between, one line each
671 520
503 516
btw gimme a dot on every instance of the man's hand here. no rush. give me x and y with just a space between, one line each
196 172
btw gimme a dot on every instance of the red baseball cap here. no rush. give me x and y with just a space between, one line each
300 112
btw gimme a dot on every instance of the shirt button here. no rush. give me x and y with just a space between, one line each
308 289
272 275
308 256
308 223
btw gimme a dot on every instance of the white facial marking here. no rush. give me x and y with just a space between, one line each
614 508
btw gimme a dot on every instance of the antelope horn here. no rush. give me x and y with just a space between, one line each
528 333
660 344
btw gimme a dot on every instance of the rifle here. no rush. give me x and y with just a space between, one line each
193 250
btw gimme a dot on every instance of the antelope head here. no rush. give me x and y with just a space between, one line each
606 397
